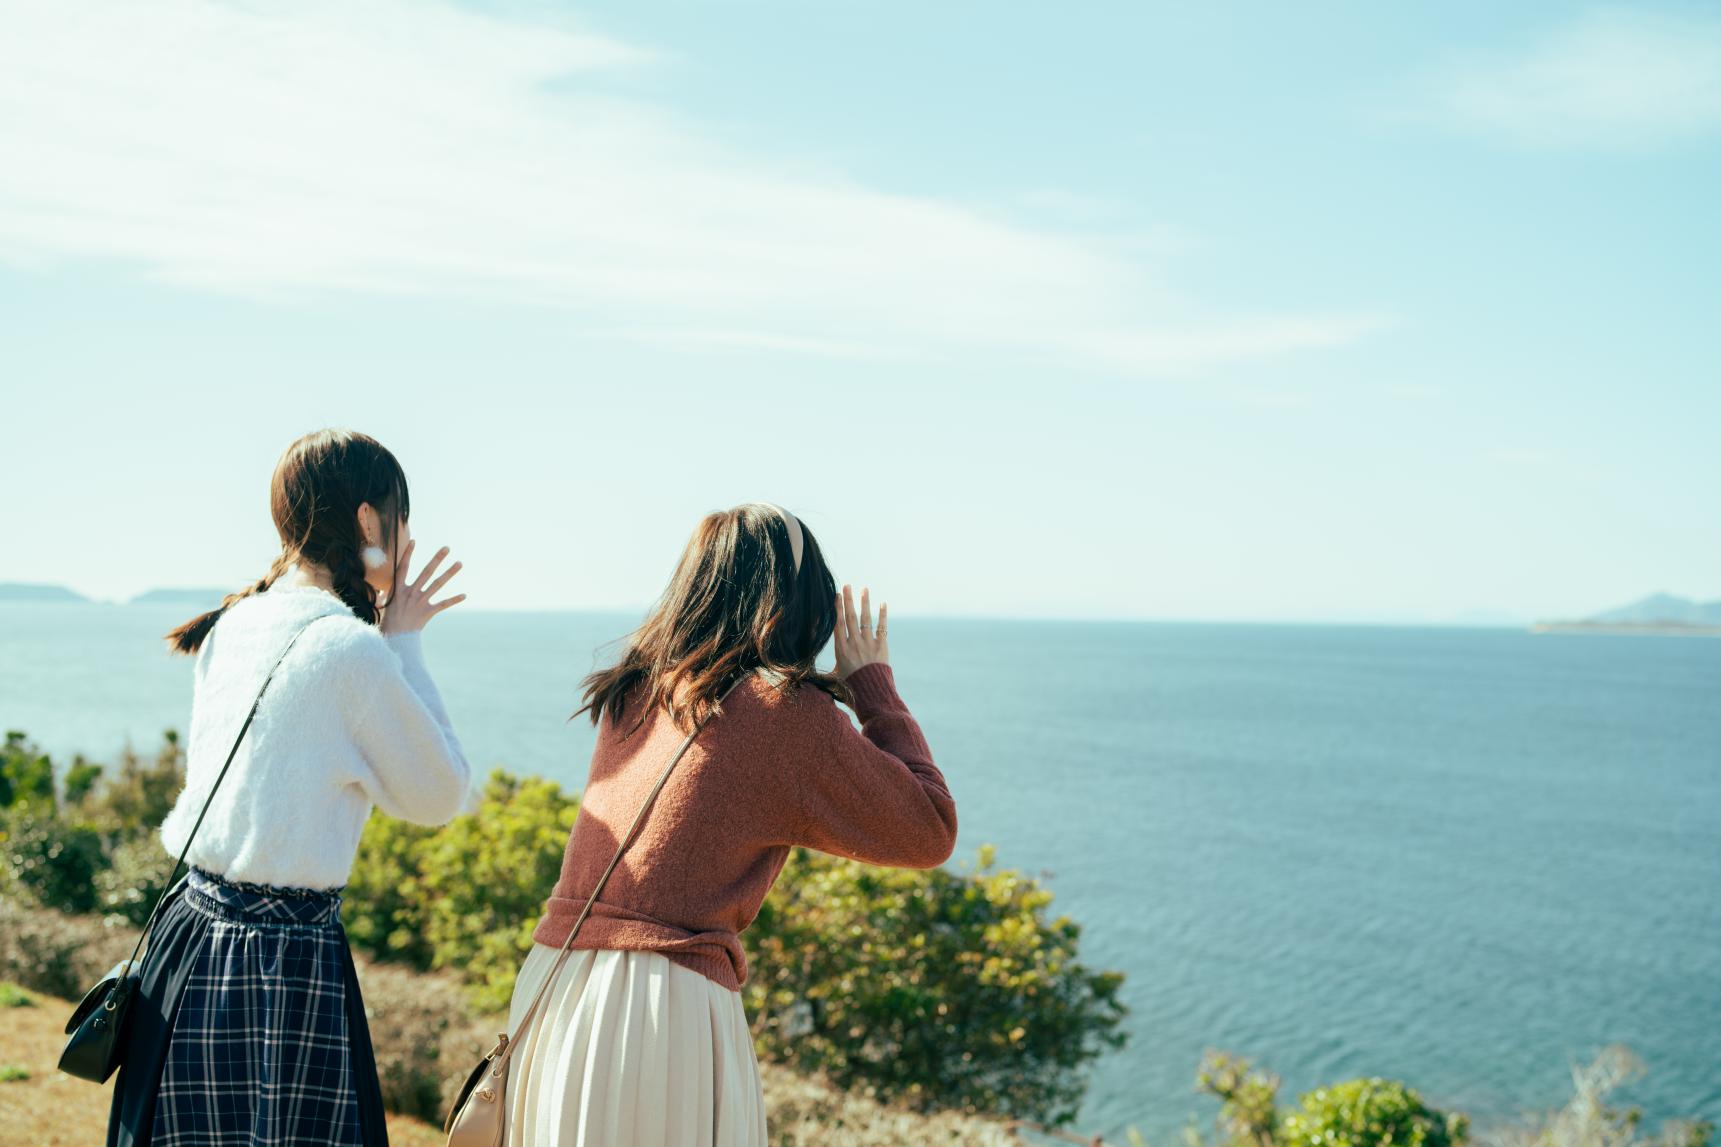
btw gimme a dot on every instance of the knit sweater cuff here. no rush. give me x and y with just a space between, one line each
874 689
409 644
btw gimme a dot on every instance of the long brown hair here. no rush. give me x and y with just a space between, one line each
735 604
319 484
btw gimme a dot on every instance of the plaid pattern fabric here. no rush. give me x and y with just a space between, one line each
260 1053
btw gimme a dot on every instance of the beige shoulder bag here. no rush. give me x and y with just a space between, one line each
480 1112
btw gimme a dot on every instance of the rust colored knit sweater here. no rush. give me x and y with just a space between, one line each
768 773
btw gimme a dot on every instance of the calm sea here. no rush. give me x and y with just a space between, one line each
1462 858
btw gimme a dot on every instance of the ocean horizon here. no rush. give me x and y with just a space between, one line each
1464 857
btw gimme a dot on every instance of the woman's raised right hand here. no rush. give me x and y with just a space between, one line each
409 606
857 643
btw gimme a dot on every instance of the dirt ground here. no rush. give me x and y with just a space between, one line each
50 1109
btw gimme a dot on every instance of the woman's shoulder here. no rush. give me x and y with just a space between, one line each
329 635
343 638
766 698
343 628
757 701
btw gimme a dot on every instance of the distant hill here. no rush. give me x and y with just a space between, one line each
206 597
1658 614
21 591
1664 608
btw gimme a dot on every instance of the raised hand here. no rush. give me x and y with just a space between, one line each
409 606
857 643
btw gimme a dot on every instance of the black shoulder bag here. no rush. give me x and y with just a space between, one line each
98 1024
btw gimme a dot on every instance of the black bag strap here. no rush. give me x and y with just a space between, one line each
210 799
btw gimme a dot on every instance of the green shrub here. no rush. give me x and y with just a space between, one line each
97 849
13 1073
486 878
26 774
1248 1099
1358 1113
136 873
384 908
466 896
1381 1113
933 988
1368 1113
48 860
12 996
137 796
81 777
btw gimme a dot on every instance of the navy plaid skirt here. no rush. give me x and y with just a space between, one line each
249 1028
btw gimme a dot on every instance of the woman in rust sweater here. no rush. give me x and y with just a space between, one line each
641 1038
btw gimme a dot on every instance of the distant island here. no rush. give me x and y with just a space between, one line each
38 594
25 591
209 597
1659 614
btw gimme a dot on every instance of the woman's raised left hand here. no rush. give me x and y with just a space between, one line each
408 606
857 643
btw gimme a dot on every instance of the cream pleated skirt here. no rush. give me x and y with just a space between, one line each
631 1049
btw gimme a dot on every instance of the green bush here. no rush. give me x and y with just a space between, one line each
96 849
1248 1100
383 908
136 873
138 795
1368 1113
486 878
935 988
81 777
26 774
48 860
466 896
1358 1113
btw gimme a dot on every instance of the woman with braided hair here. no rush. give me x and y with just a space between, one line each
311 704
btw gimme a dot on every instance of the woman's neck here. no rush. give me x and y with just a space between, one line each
303 573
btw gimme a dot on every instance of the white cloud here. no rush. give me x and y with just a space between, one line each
1613 78
386 146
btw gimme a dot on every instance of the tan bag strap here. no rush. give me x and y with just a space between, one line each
505 1046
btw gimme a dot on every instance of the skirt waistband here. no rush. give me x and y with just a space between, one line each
256 904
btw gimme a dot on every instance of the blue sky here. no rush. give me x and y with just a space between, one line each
1315 312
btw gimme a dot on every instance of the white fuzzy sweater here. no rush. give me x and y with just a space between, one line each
351 719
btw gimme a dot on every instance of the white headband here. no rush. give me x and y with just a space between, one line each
795 543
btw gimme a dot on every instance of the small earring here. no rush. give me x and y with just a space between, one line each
374 557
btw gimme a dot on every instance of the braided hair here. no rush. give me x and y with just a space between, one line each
318 486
